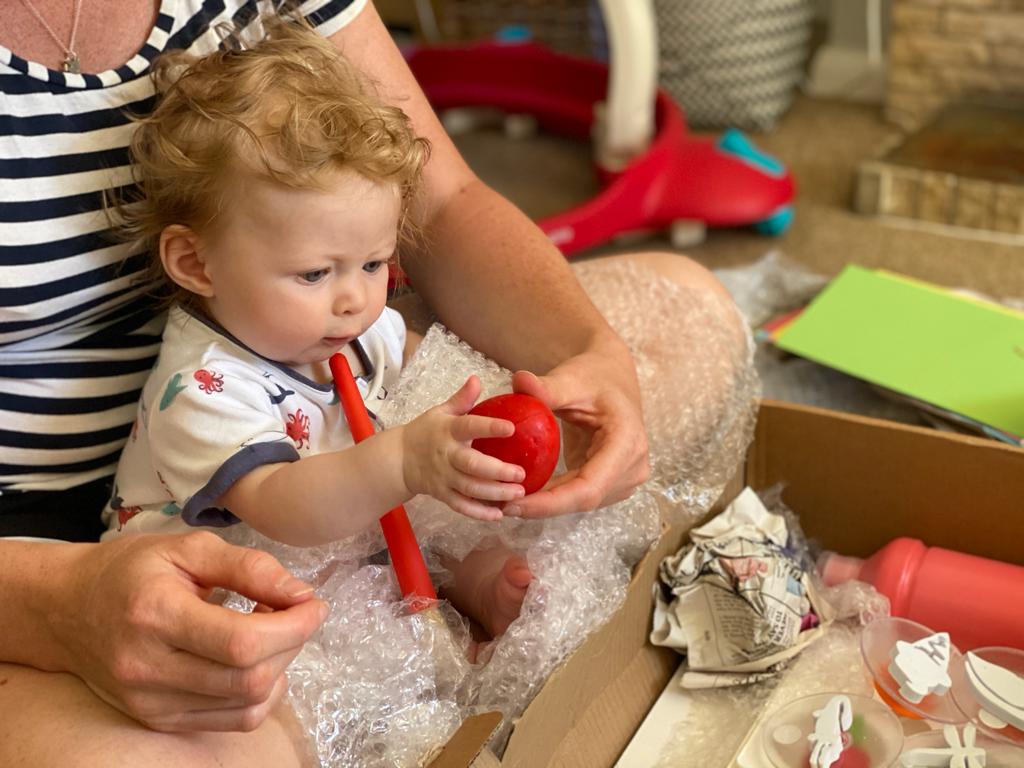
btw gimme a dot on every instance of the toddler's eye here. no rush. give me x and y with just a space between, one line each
372 266
314 276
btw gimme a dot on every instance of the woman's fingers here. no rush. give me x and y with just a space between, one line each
209 561
142 636
236 639
221 685
610 474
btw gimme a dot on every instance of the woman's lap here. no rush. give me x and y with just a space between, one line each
53 719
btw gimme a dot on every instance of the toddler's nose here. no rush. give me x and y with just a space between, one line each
350 300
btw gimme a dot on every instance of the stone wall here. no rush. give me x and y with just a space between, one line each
940 50
885 189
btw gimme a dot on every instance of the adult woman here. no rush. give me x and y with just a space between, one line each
159 655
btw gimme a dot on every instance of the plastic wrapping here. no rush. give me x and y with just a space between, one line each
377 687
693 357
771 285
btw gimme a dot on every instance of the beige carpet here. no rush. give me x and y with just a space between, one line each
822 142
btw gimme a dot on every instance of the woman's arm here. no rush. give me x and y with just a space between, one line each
496 280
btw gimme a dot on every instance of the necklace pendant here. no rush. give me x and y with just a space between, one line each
72 64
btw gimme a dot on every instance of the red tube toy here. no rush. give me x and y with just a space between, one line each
406 558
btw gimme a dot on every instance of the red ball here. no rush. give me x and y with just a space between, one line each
534 445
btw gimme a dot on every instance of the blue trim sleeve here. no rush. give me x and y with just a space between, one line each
199 509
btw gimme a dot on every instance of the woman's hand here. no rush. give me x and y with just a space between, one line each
437 458
597 396
137 629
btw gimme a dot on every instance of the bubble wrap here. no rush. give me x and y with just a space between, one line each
693 355
770 286
376 687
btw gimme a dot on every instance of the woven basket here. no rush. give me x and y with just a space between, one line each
733 62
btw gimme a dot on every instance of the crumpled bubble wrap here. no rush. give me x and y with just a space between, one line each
369 687
770 286
376 685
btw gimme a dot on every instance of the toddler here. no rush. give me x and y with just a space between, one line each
276 189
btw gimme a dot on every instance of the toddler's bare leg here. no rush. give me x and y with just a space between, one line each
489 585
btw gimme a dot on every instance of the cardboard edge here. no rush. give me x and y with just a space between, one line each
468 741
772 407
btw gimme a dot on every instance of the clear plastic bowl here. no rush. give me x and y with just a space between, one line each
874 741
877 642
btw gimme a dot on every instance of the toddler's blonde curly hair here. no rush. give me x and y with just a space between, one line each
287 109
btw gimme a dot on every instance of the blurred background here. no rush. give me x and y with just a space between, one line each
857 78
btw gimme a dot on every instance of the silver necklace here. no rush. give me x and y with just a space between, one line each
71 62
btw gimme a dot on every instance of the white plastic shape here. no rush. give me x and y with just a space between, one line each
922 668
830 723
999 691
954 755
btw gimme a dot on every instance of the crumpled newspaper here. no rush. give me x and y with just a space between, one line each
737 601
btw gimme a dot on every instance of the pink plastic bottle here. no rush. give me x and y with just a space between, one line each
979 602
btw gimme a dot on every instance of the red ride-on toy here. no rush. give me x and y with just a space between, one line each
680 182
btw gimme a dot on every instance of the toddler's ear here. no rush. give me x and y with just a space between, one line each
180 253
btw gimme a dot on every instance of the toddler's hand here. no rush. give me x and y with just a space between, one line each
439 460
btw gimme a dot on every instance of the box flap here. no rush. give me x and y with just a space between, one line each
602 692
858 483
468 741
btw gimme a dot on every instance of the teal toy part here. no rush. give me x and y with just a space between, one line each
777 223
512 34
736 143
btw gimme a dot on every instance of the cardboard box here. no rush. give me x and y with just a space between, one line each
855 482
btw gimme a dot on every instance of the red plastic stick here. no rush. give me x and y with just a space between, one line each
406 558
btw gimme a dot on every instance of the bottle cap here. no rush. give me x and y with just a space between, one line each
838 569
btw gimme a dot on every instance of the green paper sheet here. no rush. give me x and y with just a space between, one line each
920 340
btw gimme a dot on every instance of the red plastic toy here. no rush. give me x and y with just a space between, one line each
680 178
534 445
406 558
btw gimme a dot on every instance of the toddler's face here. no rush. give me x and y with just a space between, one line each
297 274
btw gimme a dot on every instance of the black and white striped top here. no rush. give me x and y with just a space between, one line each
78 334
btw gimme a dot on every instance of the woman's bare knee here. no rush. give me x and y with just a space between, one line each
680 269
692 276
